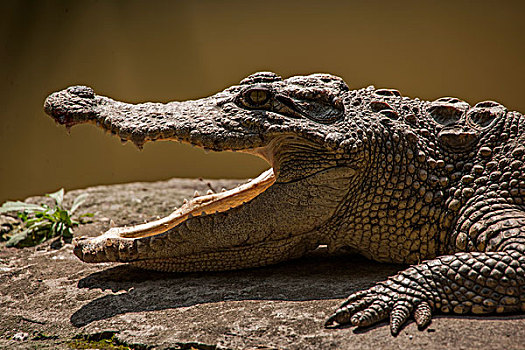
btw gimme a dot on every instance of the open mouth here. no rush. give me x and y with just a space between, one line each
88 248
128 239
202 205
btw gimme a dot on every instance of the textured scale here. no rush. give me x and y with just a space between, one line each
436 184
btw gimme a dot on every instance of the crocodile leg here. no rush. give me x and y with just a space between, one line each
476 282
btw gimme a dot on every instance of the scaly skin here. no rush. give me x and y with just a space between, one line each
397 179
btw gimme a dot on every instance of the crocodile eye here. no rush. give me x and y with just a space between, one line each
257 96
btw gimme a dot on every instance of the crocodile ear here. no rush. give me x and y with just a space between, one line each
322 110
261 77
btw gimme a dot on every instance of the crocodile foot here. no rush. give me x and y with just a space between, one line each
478 283
393 298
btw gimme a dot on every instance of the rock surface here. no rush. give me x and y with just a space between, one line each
51 296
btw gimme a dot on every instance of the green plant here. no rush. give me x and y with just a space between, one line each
42 222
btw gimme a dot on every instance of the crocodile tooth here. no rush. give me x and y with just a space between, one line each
196 194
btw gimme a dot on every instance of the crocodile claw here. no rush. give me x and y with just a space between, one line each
367 307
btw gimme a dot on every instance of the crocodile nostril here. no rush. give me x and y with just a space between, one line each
49 102
81 91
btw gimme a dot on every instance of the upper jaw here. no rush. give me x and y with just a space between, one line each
212 122
219 122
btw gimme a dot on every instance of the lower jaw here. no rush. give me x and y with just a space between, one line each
233 258
203 205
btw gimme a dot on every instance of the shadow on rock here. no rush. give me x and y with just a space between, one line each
317 276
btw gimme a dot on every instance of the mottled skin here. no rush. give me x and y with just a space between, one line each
440 185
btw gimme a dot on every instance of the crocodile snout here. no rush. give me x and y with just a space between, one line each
71 106
81 91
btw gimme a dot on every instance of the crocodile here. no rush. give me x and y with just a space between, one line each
437 185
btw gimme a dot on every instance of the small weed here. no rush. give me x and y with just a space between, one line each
44 336
104 340
42 222
106 344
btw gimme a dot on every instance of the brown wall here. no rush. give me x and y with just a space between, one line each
161 51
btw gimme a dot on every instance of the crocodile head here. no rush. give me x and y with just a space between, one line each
298 125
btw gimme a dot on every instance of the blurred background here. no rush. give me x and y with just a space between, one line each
169 50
